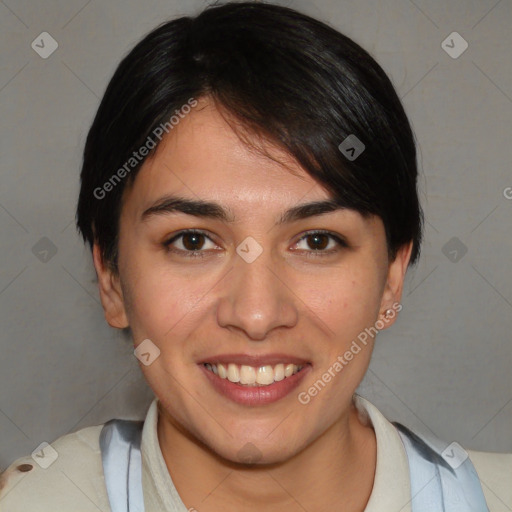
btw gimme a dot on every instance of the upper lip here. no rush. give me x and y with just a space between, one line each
254 360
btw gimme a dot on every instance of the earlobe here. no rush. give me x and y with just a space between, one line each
110 292
395 282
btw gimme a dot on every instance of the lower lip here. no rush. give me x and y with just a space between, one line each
255 395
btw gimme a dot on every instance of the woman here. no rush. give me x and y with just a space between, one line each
249 194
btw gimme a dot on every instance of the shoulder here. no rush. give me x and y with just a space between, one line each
65 475
495 473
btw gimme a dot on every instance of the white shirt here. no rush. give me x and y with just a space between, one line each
75 482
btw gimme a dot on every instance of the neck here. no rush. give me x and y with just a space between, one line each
335 472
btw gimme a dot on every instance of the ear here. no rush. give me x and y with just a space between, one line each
110 292
394 284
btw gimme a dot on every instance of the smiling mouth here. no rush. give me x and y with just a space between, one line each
252 376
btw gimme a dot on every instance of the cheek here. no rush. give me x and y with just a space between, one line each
347 301
162 302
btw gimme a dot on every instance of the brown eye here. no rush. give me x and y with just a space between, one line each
321 243
190 243
193 241
318 241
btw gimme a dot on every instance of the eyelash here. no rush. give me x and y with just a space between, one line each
311 253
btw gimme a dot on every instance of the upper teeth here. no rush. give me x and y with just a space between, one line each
253 376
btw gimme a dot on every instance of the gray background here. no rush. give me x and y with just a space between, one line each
444 367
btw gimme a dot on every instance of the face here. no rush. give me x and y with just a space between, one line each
250 293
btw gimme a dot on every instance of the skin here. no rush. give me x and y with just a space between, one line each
283 302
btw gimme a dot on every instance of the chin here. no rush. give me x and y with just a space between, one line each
254 450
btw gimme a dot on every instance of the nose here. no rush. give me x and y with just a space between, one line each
257 297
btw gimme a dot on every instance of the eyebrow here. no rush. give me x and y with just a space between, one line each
212 210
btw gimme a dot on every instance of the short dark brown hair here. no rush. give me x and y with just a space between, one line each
283 76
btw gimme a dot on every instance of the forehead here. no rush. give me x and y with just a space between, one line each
204 160
202 156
